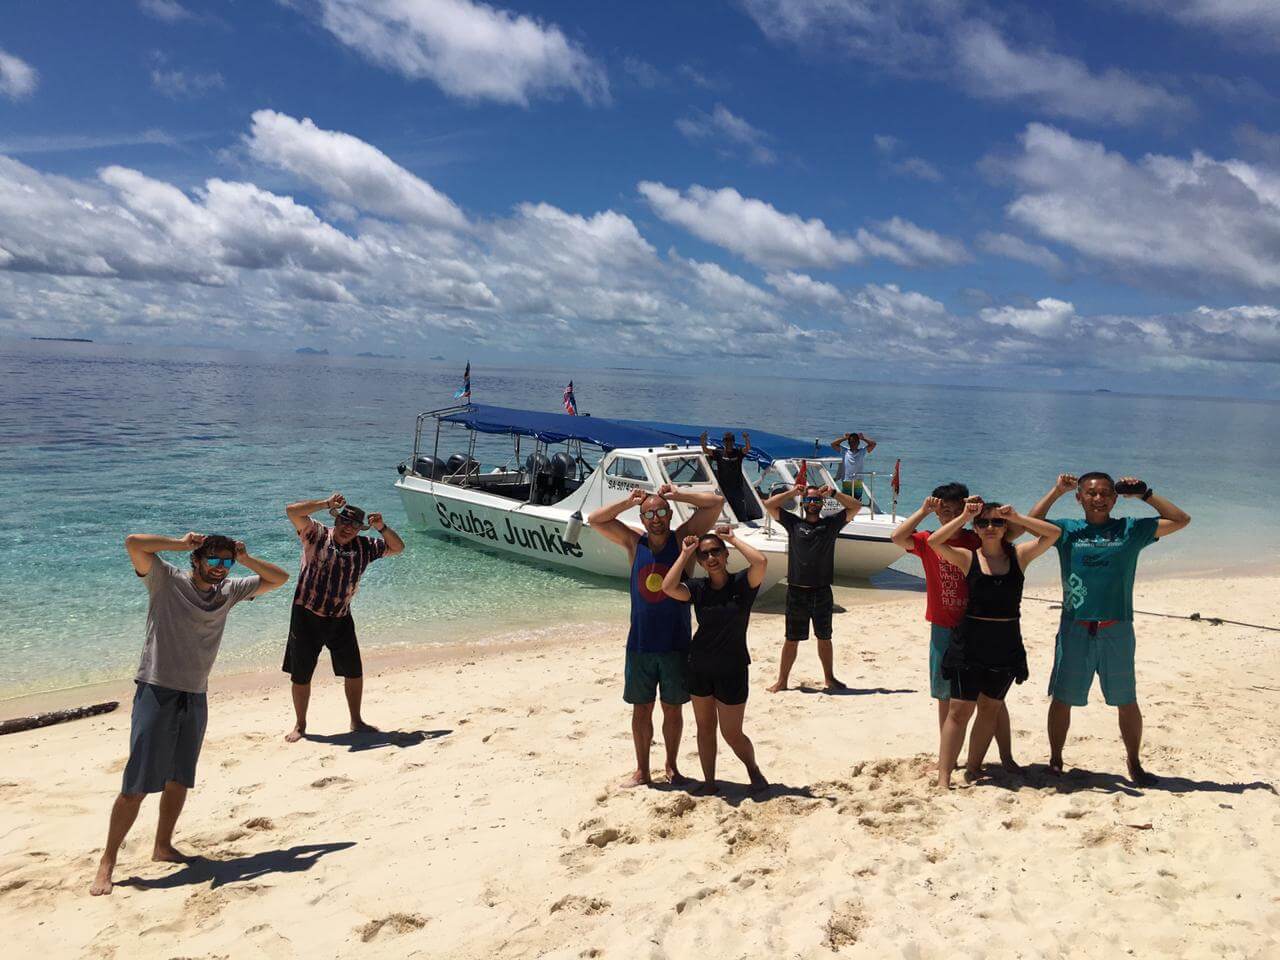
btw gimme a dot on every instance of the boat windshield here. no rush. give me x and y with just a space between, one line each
686 469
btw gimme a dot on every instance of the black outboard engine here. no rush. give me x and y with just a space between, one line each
563 468
538 468
429 468
460 463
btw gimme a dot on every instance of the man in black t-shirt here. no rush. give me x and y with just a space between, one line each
811 555
727 463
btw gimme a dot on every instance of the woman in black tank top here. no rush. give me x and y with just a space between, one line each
986 656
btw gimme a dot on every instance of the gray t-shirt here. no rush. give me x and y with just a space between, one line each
184 626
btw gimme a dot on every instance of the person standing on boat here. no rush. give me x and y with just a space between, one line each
853 448
947 594
727 462
811 554
1098 557
985 656
718 657
333 561
657 662
186 615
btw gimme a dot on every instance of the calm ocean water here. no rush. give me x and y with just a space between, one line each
97 441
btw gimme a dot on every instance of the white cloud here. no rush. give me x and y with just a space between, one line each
1197 222
955 41
727 130
348 170
180 84
1015 248
1259 19
756 230
916 167
169 11
63 142
912 245
802 288
1057 84
470 49
1047 316
18 79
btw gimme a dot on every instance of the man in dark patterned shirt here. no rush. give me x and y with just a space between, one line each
333 560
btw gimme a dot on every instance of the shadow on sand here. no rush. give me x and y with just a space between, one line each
374 739
1036 776
849 691
218 873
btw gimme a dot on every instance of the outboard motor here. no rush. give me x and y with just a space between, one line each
538 467
461 463
428 467
562 466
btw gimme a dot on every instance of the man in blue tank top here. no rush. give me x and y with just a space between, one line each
658 642
1099 557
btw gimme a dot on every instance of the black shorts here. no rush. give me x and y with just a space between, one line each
968 682
805 604
726 682
309 633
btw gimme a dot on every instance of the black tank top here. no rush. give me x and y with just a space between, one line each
997 597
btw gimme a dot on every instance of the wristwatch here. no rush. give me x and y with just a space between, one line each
1147 496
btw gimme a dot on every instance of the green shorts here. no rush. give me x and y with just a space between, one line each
852 488
648 673
1086 647
939 640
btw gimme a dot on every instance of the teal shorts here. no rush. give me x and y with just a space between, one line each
939 640
648 673
1082 650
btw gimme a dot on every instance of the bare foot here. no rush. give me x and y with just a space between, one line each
1055 766
675 777
1010 765
169 854
1140 777
359 726
944 783
102 882
636 779
296 734
706 788
758 781
776 687
972 776
834 684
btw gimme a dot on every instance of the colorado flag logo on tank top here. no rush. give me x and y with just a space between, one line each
649 581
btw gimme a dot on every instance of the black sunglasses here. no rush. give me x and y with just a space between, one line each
982 523
703 554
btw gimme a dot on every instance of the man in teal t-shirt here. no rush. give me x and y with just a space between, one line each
1099 558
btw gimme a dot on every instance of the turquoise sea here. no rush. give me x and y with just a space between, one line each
97 441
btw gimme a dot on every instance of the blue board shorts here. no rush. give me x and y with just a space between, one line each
165 735
939 640
1088 647
648 673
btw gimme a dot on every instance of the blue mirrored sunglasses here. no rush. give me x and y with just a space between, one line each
227 562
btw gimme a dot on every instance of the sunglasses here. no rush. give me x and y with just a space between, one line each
982 524
811 500
704 554
225 562
660 512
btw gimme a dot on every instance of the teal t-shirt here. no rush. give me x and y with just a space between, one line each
1098 565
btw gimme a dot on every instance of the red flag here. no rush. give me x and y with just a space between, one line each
803 476
897 477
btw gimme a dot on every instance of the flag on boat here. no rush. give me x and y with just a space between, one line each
570 401
465 392
896 482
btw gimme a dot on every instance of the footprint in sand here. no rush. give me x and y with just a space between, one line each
397 923
260 823
324 782
248 789
845 926
584 905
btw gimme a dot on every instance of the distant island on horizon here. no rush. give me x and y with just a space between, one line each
65 339
311 352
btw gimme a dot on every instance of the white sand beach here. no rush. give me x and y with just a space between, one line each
489 824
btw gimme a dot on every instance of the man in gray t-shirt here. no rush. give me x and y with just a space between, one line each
185 619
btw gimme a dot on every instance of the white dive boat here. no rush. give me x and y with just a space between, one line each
532 504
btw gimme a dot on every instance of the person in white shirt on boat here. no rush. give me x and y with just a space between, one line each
657 660
853 448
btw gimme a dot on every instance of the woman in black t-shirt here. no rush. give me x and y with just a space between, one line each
718 656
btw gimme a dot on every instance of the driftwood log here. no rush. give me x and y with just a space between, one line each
18 724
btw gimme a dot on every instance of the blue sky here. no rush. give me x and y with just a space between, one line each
1084 193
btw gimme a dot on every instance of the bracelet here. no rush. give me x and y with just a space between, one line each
1146 497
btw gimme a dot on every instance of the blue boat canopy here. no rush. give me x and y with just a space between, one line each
612 434
557 427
